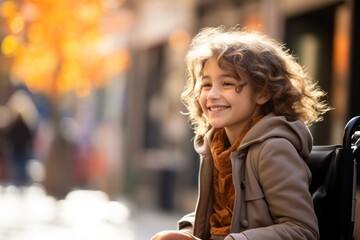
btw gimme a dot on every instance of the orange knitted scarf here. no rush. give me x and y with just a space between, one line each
224 191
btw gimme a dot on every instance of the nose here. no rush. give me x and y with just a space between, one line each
214 93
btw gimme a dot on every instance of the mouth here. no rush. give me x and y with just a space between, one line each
217 108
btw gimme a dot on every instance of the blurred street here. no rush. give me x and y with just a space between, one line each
29 213
90 98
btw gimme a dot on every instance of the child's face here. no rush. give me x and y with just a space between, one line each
223 106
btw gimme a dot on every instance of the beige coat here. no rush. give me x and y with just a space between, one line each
272 199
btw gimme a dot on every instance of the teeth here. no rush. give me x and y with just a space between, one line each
215 109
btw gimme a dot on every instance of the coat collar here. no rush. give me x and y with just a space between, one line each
270 126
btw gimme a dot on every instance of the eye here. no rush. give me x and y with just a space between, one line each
229 81
206 85
228 84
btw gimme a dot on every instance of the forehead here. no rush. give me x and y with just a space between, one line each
213 64
210 63
222 66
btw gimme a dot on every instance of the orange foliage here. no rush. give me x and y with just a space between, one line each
56 45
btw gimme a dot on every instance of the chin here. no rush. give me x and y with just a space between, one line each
217 125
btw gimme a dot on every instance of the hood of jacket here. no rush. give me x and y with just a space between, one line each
270 126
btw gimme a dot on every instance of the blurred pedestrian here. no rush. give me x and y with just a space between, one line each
250 103
4 144
20 135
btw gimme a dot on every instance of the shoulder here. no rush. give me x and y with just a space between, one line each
272 147
276 156
275 133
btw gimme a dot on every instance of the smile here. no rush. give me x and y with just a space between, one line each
217 109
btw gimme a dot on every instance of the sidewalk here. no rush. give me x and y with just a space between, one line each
29 214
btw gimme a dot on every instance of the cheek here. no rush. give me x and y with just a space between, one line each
242 101
202 101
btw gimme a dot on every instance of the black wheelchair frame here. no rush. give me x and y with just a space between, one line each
333 187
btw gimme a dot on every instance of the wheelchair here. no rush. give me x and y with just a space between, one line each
334 184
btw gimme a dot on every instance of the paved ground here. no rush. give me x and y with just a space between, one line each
29 214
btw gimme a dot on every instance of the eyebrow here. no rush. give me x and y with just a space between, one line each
220 76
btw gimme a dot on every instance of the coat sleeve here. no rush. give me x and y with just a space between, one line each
284 178
187 221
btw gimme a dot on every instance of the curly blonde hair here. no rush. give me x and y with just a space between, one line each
269 66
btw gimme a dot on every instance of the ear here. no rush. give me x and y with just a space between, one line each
262 98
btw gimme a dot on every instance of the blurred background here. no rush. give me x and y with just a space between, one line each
92 139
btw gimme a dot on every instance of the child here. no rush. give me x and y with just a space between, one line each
249 101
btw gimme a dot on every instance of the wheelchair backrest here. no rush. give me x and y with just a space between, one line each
333 185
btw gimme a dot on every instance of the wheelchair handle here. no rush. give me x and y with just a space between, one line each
349 130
